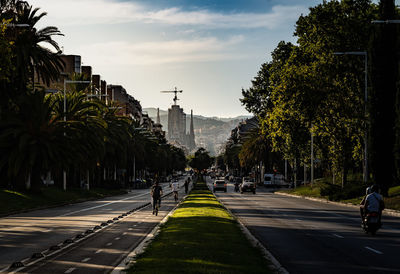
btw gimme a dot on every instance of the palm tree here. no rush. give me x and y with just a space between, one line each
30 56
84 129
31 140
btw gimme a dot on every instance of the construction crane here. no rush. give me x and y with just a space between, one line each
173 91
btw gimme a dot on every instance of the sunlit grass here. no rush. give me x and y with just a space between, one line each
307 190
201 237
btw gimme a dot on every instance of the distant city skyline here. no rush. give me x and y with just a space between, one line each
209 49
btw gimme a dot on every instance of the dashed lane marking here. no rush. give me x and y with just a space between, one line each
108 244
338 236
374 250
85 260
118 238
98 251
70 270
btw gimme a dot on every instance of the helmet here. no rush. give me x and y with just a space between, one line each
375 188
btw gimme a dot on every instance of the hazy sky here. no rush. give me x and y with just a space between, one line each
210 49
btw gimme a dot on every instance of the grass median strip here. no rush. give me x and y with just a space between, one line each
201 237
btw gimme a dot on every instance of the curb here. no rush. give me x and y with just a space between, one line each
130 259
389 212
276 265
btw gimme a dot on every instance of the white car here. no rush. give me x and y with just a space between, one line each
248 184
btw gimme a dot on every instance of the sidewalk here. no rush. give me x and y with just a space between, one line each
389 212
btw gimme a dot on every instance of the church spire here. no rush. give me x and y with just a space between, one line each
158 116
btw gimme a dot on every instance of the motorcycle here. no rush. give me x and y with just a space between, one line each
236 187
371 222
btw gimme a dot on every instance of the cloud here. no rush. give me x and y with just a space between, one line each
116 53
81 12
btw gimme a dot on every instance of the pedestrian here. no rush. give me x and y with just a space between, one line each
187 181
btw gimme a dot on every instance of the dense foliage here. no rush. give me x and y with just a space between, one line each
308 89
201 160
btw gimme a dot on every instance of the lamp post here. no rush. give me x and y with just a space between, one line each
65 119
365 54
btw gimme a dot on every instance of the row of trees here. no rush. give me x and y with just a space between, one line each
306 90
37 136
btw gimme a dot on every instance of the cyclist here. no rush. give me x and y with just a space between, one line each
156 193
175 187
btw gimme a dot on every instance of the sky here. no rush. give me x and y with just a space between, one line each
208 49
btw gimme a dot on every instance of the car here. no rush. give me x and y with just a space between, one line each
219 185
248 184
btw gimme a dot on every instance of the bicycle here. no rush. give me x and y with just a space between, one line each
156 206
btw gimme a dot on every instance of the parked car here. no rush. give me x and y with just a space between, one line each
248 184
219 185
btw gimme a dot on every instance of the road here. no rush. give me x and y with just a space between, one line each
313 237
23 235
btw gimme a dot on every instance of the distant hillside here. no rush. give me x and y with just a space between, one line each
210 132
152 112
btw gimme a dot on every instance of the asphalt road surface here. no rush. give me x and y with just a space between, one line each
44 231
314 237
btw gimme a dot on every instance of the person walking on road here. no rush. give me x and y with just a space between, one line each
156 193
175 188
187 182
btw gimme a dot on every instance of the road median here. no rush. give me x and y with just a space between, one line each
201 237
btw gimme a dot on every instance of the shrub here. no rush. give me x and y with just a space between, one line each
337 193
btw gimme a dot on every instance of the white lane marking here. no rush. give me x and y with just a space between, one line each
374 250
118 238
98 251
93 207
70 270
108 244
124 233
130 228
338 236
85 260
138 223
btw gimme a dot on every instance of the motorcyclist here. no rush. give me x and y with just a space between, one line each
237 183
373 203
362 203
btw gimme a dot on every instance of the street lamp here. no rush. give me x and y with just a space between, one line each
65 119
365 54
